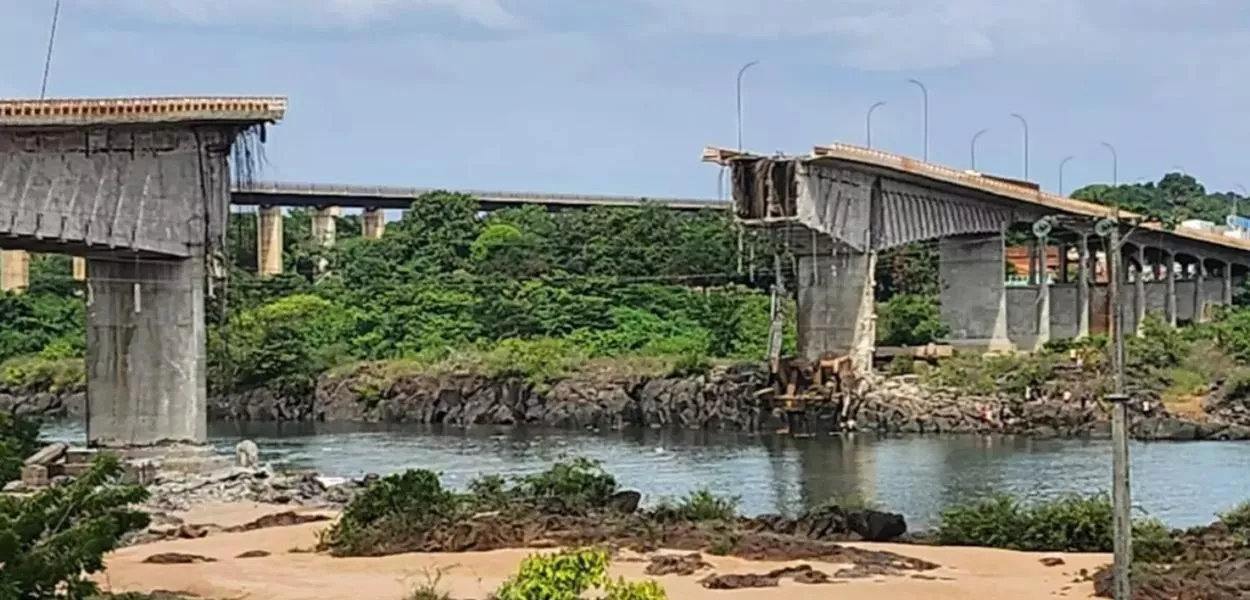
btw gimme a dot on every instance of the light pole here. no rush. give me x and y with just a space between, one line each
1024 123
1115 164
868 119
47 61
924 94
1063 163
742 72
972 147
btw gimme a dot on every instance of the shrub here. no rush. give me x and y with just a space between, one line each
1238 518
579 483
568 574
392 515
909 320
1067 524
19 438
699 505
50 541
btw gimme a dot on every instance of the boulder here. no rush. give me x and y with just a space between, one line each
624 501
876 526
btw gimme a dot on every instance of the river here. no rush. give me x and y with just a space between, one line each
1182 484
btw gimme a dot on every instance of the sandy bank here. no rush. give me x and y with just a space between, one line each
287 575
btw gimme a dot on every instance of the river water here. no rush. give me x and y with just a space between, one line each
1182 484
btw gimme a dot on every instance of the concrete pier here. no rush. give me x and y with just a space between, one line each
836 308
324 225
373 222
973 296
14 270
269 241
79 268
146 366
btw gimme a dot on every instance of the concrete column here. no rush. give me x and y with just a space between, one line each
269 241
973 297
324 225
146 365
1139 288
1084 275
1033 261
1063 263
1169 263
837 307
1200 277
1226 292
79 268
374 223
1041 317
14 270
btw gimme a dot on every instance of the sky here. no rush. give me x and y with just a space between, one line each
620 96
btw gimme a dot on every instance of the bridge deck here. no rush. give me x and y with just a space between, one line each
360 196
977 182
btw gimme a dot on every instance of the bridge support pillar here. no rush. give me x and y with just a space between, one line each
374 223
269 241
836 306
324 227
1139 290
1084 276
1200 297
78 266
14 270
1226 278
974 296
146 365
1169 275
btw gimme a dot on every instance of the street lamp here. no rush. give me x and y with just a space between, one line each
1062 163
924 93
742 72
868 119
1024 124
972 147
1115 164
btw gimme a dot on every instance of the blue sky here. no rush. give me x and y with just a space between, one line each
619 96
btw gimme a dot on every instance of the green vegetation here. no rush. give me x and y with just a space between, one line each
399 512
1067 524
52 540
568 574
699 505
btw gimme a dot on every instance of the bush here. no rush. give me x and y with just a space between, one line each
50 541
36 373
910 320
699 505
19 438
1067 524
392 515
1238 519
578 483
568 574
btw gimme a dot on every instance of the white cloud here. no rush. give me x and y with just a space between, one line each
487 13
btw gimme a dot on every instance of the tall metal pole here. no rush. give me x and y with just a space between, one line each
1062 163
47 61
1122 525
1115 164
868 119
1024 123
742 72
924 94
972 147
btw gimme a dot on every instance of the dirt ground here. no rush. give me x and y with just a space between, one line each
289 572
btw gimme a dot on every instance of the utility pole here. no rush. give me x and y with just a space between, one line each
1122 524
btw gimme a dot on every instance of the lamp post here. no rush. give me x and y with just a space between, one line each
924 94
1115 164
868 119
742 72
1063 163
972 147
1024 123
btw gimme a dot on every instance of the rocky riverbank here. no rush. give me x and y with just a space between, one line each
730 398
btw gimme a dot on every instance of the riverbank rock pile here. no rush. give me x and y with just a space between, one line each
1212 563
179 491
723 398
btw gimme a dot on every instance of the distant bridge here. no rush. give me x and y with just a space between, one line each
314 195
